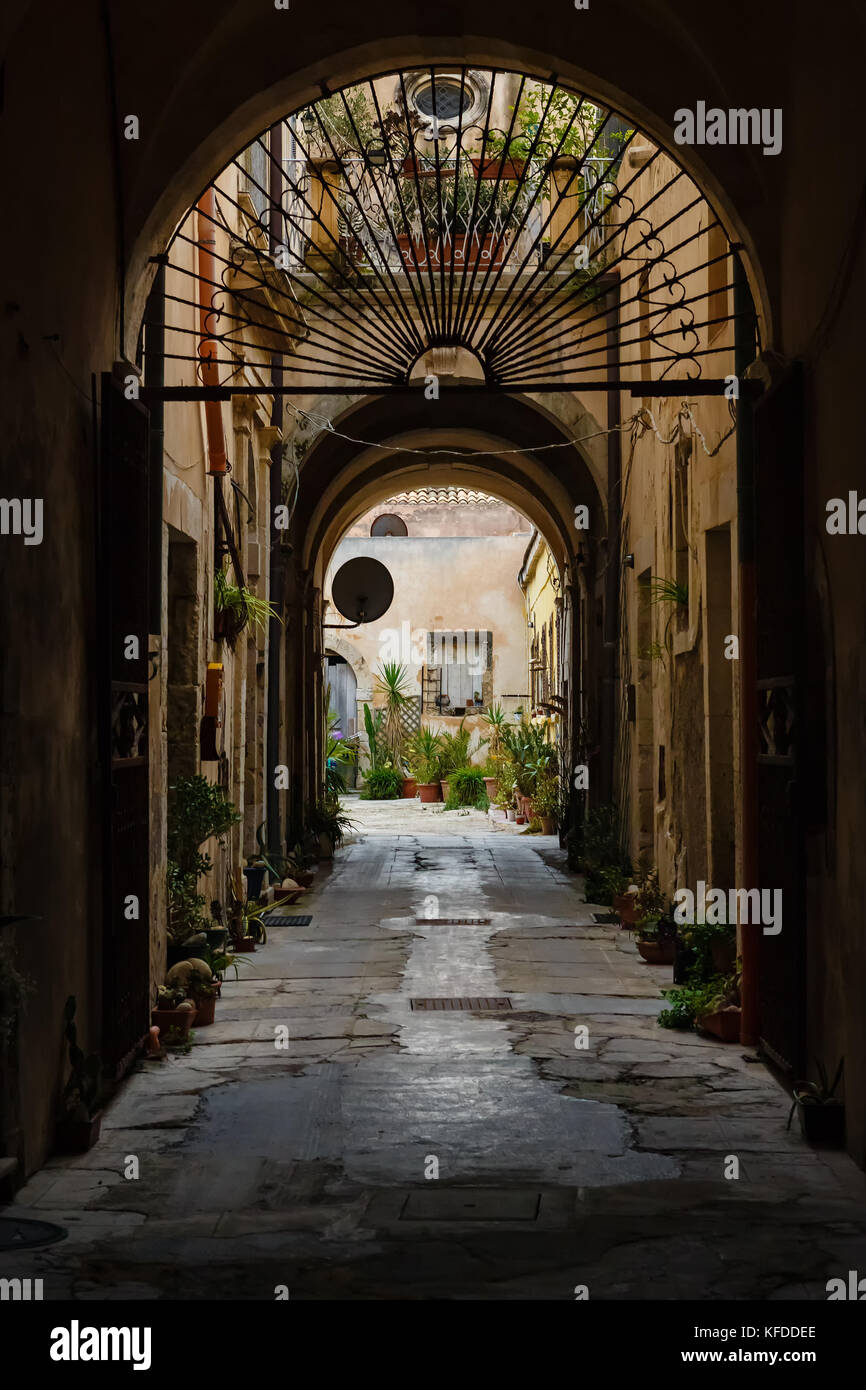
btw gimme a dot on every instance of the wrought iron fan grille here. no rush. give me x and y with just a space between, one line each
368 236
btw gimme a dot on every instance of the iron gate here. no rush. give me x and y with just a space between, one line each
124 549
779 706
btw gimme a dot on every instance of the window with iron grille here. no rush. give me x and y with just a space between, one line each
460 659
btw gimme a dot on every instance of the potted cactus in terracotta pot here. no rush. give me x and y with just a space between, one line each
174 1013
195 978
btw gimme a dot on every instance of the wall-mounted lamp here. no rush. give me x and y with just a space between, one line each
377 155
308 121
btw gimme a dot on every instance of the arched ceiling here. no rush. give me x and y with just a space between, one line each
340 479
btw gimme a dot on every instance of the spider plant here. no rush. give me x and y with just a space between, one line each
242 603
668 591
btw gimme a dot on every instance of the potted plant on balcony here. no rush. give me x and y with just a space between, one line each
81 1117
235 605
822 1115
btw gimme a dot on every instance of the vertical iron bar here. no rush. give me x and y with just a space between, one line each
154 375
744 353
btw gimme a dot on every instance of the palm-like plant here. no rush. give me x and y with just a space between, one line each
392 683
455 750
496 721
424 751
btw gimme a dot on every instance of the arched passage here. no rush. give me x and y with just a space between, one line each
341 478
200 95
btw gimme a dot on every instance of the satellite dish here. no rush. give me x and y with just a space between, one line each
362 589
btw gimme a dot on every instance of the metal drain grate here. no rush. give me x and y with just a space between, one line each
606 918
474 1003
285 919
452 921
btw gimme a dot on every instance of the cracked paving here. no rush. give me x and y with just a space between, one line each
309 1166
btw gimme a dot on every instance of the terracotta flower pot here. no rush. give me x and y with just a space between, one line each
723 1023
657 952
548 825
446 789
287 895
410 787
205 1011
624 906
243 944
179 1019
428 791
491 786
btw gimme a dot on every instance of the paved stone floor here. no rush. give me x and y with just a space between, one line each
314 1166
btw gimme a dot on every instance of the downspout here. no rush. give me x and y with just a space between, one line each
744 355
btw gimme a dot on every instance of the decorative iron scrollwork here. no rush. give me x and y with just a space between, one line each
776 721
498 224
128 724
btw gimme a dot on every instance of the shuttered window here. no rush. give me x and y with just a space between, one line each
461 659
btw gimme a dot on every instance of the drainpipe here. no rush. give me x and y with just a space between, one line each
744 355
610 645
207 348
